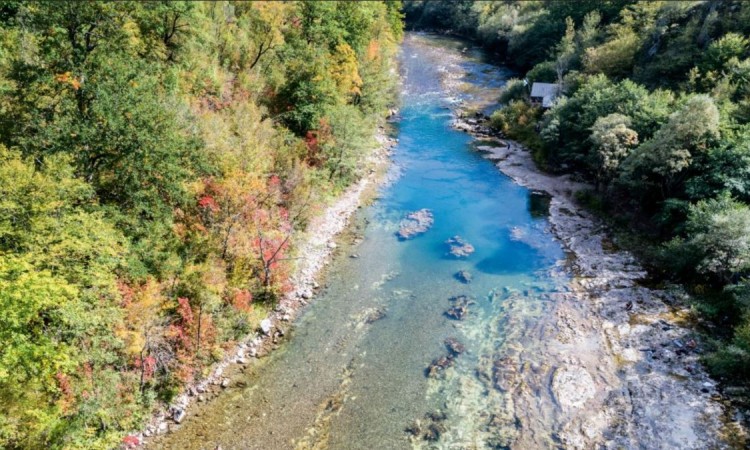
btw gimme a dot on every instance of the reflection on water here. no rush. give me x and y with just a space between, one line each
353 374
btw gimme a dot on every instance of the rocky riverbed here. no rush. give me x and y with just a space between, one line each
618 359
609 362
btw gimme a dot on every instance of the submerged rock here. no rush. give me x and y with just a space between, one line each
433 432
415 224
504 374
458 247
457 312
375 315
439 365
463 276
431 429
460 307
454 346
414 428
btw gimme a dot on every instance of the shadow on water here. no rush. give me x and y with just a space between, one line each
511 258
539 202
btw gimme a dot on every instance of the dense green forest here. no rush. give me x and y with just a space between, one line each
655 113
156 159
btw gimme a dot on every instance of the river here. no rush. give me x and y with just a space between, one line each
353 374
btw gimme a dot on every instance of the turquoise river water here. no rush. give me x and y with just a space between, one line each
344 382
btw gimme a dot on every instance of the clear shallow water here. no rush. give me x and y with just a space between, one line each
343 383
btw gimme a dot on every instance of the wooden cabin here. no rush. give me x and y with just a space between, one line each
544 94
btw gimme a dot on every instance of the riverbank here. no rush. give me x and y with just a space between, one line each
315 247
618 348
610 344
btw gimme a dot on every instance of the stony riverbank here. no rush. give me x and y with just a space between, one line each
620 359
316 247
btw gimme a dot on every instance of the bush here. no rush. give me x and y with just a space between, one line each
544 72
514 89
518 120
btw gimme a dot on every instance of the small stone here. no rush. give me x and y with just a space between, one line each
454 346
464 276
354 256
163 428
332 245
374 315
178 415
266 326
225 383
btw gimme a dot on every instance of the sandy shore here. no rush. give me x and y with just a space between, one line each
315 248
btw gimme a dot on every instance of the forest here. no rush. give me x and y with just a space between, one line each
654 112
157 160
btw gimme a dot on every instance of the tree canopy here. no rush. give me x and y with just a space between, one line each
156 160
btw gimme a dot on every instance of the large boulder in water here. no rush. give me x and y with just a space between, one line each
458 247
415 224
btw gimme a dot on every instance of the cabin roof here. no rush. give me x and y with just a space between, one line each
546 91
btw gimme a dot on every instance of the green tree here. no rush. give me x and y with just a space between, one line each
597 97
565 51
718 239
59 296
721 52
612 139
663 160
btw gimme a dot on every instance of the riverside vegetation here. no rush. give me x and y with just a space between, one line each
654 113
157 158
